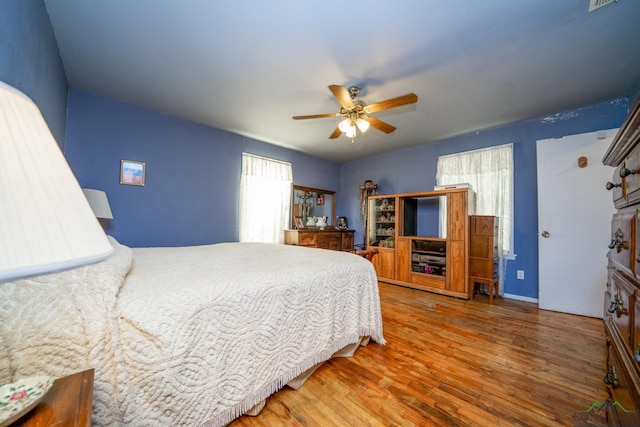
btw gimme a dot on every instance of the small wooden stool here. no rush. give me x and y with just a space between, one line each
492 285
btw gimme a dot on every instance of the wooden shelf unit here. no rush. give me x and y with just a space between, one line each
405 229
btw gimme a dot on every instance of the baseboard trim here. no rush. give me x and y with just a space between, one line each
521 298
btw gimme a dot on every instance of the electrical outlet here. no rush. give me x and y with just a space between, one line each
521 274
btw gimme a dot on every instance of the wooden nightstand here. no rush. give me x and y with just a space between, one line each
68 403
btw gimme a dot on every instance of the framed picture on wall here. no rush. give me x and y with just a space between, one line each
132 172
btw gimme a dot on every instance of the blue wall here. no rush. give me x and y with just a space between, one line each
30 61
191 196
414 169
192 171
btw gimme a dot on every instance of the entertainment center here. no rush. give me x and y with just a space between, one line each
423 239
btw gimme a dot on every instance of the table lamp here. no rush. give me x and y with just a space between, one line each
46 223
99 203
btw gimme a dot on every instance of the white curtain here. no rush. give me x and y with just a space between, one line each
490 173
265 199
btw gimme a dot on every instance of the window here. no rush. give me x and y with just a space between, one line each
490 173
265 199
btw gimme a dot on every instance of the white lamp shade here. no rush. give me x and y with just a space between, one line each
344 125
98 201
46 223
362 124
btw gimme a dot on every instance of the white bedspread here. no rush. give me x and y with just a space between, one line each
198 335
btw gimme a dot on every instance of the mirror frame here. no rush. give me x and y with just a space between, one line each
318 191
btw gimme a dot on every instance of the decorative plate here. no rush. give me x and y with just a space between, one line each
16 399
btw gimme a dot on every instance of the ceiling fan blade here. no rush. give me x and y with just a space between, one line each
315 116
342 95
379 124
336 133
410 98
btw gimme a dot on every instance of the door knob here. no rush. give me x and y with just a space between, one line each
545 234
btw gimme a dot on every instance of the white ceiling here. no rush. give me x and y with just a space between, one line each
248 66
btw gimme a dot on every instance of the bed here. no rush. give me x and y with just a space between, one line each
191 335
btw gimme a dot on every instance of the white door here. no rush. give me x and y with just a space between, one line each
574 223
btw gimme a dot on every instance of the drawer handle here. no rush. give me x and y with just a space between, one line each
617 306
624 172
611 378
617 241
611 185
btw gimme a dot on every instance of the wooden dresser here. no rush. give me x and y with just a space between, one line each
337 240
622 303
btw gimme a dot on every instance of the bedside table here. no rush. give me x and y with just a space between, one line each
68 403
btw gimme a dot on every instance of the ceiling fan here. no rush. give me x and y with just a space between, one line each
357 113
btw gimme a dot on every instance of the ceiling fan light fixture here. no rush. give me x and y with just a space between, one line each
351 132
344 125
356 112
362 124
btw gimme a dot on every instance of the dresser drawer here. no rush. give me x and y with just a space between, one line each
620 388
620 312
622 244
618 192
635 347
635 254
632 178
307 238
608 292
329 240
326 239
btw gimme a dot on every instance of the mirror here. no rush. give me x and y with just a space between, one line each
308 203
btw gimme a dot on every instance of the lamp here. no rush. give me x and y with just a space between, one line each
348 125
344 125
46 223
362 124
351 132
98 201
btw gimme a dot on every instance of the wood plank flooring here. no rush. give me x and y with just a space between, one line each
451 362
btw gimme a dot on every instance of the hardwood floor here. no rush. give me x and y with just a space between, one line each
451 362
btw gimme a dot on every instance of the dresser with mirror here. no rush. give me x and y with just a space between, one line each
313 221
